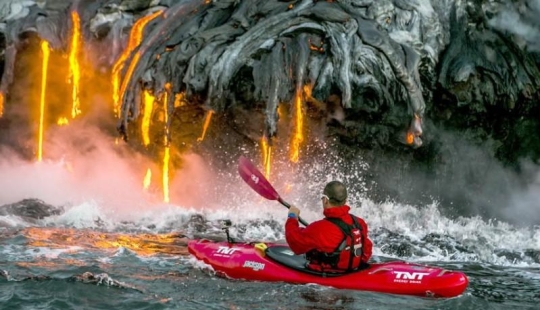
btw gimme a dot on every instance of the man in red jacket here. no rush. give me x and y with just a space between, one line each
337 243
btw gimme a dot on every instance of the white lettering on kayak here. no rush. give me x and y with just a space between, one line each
409 277
255 179
225 251
253 265
407 281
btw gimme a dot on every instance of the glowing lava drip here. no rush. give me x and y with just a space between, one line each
298 136
207 119
166 155
266 155
135 39
147 179
74 67
178 100
414 131
148 100
410 138
2 99
62 121
118 91
45 49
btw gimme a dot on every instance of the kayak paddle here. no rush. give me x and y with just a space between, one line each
256 180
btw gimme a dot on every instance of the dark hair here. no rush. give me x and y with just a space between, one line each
336 192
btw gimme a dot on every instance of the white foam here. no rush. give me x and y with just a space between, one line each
12 221
192 261
86 215
483 237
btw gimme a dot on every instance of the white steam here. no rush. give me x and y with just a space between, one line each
524 205
521 19
80 164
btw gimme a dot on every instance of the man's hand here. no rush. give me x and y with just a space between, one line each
294 210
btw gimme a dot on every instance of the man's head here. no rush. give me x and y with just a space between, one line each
334 194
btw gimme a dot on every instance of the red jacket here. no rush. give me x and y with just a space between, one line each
324 235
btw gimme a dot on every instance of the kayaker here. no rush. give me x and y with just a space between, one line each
337 243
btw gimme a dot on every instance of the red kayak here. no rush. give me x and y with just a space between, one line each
275 262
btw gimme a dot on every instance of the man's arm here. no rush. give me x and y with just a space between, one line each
367 246
300 240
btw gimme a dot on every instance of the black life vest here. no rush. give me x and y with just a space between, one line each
351 246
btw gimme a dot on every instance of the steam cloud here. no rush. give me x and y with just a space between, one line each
521 19
82 164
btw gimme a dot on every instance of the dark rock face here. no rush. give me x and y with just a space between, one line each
30 209
440 97
489 81
272 50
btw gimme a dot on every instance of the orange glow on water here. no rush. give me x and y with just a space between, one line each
266 155
298 136
148 100
207 119
142 244
45 50
74 66
147 179
135 39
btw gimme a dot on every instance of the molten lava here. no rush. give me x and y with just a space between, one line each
148 101
207 119
266 155
74 66
166 154
2 99
166 158
135 39
147 179
410 138
45 49
128 76
298 136
62 121
178 100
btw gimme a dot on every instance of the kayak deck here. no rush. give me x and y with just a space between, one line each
282 254
272 262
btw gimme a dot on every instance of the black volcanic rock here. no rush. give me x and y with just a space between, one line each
30 209
381 59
